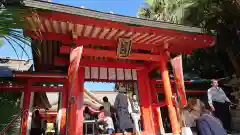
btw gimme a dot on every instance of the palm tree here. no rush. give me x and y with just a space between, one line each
11 22
10 104
172 11
214 16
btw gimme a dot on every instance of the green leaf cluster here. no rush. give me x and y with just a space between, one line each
217 17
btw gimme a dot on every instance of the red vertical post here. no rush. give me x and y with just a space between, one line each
75 77
154 101
26 108
62 111
168 95
145 101
80 98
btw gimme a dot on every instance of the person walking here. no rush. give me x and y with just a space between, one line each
123 110
107 106
37 124
219 103
136 113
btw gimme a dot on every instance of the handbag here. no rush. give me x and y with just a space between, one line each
186 131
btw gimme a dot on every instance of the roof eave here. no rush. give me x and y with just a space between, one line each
107 16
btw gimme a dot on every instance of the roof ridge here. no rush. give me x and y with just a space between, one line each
108 16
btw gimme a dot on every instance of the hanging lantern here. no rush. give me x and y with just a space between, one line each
124 47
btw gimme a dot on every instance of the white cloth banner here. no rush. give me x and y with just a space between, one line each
94 73
128 74
103 73
120 74
87 73
111 74
134 74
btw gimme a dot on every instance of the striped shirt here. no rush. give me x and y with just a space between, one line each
216 94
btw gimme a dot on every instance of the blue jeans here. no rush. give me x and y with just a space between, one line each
109 131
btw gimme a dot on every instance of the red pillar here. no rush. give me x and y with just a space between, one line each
168 96
26 108
75 98
145 101
154 96
80 100
62 112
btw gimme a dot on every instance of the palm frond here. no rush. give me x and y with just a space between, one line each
9 41
19 44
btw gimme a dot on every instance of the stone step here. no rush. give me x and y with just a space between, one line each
235 113
236 127
235 120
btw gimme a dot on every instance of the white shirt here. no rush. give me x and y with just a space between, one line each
109 122
216 94
107 108
135 107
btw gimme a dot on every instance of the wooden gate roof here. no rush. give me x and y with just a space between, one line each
106 28
55 27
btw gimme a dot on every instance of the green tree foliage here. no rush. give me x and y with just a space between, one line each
1 43
11 22
10 109
214 16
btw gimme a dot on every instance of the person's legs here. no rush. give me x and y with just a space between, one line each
223 114
136 119
227 117
109 131
130 130
218 110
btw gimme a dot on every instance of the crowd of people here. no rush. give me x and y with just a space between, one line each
213 121
123 116
40 126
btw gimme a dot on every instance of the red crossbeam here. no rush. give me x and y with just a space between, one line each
111 54
33 88
67 39
97 63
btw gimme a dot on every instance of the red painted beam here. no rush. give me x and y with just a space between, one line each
46 89
158 81
38 75
111 54
12 86
33 88
153 66
64 17
161 104
58 61
66 39
98 63
160 90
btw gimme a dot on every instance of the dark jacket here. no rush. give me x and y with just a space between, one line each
209 125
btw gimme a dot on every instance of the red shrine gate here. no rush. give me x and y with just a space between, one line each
113 46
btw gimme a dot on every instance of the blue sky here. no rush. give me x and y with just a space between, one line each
122 7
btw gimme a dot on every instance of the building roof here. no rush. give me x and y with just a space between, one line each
56 29
111 95
7 65
108 16
92 27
